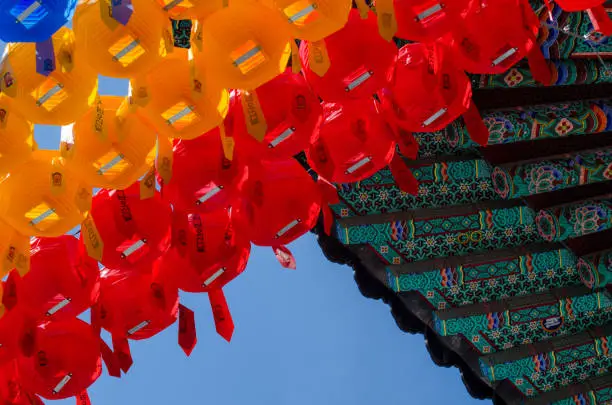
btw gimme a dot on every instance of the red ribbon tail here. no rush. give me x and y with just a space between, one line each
284 257
123 353
187 337
95 320
540 70
408 145
83 398
223 318
9 296
328 190
478 131
601 20
403 176
110 359
328 219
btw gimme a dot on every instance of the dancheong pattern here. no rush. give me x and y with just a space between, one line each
496 272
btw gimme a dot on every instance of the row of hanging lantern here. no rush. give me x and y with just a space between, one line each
197 163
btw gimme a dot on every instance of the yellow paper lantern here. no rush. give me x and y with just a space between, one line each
58 97
119 50
109 146
177 100
16 137
312 20
191 9
245 45
42 198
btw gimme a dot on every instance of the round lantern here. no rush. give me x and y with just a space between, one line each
62 282
496 34
422 20
49 82
133 231
354 142
277 120
207 252
427 92
110 146
192 9
16 137
312 20
349 64
177 101
33 21
66 360
203 179
121 38
281 203
245 45
136 305
596 10
42 198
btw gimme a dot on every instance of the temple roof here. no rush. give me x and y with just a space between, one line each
502 260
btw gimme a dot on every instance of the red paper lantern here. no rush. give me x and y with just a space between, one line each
136 305
349 64
496 34
281 203
596 10
203 179
207 252
62 282
427 92
65 362
354 142
426 20
277 120
134 231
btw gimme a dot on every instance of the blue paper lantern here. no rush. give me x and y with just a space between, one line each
33 20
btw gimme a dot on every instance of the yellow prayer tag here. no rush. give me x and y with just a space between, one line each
147 185
318 59
253 115
93 242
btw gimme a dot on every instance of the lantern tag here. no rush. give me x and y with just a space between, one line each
253 113
387 24
318 58
91 238
163 163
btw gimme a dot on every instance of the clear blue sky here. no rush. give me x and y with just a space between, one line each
304 337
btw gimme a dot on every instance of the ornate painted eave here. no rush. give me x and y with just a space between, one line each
503 261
